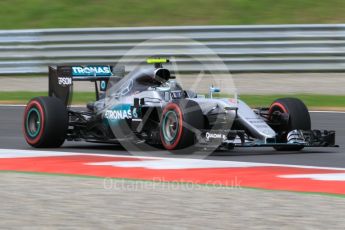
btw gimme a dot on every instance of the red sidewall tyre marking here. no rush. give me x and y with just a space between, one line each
35 140
176 108
277 104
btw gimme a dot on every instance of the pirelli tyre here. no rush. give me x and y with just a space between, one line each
45 122
179 123
299 118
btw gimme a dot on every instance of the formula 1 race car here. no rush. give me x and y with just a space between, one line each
149 106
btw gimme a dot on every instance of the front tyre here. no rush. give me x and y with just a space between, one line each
45 122
299 118
180 121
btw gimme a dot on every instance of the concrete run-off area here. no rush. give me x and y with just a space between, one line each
46 201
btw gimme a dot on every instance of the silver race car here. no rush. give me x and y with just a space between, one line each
149 106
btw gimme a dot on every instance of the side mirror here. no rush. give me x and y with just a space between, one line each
213 90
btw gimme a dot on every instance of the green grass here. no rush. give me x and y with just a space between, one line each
24 97
312 100
97 13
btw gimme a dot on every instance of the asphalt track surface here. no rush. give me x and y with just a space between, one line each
46 201
11 138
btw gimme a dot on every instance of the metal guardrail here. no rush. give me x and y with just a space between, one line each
271 48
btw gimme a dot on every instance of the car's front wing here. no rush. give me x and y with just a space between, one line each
237 138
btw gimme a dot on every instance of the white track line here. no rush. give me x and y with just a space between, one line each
319 177
22 105
17 153
321 111
11 105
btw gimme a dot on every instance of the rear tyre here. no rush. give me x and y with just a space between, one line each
45 122
179 122
299 118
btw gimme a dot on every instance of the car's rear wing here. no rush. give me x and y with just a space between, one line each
61 78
